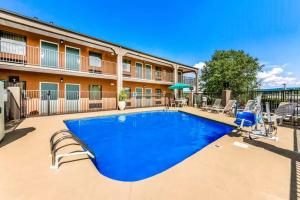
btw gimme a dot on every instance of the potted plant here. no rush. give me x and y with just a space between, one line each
122 99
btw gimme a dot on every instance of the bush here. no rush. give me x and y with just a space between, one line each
122 95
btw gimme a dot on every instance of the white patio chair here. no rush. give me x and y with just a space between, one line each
284 111
183 102
227 109
173 103
250 106
216 105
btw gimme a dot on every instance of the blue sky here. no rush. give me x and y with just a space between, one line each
187 31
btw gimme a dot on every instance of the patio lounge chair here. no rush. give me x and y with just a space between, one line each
284 111
250 105
228 109
216 105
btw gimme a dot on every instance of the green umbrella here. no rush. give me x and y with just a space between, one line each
179 86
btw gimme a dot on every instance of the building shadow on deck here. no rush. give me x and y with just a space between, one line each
12 125
294 156
15 135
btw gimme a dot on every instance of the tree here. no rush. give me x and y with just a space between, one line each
234 70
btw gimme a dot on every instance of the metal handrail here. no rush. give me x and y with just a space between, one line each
59 140
54 143
55 134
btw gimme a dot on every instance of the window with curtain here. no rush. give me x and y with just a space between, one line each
49 54
180 77
128 92
158 73
12 43
72 92
72 58
95 59
95 92
49 89
148 71
148 93
138 70
126 65
158 93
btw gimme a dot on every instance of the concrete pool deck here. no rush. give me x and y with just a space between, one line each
264 170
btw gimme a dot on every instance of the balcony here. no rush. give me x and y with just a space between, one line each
147 74
187 80
44 58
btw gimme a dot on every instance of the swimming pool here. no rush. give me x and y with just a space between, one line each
132 147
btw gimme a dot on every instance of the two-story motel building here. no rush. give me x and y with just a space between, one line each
79 69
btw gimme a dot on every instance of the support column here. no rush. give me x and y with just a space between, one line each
119 73
120 53
197 73
175 79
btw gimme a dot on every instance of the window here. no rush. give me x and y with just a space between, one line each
95 59
158 93
72 58
148 71
95 92
148 93
128 92
138 70
138 97
72 93
158 73
49 54
12 43
49 89
126 65
180 77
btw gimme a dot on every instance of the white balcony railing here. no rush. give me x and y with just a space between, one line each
187 80
30 55
147 74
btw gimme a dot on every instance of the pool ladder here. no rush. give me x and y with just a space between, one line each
60 136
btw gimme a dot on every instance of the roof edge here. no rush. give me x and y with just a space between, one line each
88 36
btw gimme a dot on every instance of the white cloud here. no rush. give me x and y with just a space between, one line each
200 65
264 62
270 74
275 77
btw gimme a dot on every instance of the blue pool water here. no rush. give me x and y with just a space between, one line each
136 146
